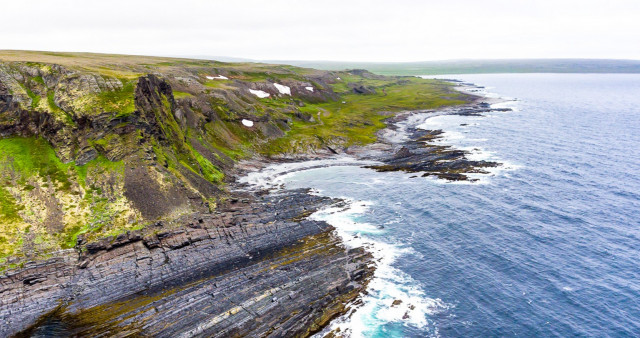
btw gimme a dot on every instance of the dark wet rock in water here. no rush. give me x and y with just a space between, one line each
403 153
249 270
420 154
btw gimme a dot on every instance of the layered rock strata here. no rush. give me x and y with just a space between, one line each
258 267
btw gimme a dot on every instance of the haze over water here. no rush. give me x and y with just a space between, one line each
548 248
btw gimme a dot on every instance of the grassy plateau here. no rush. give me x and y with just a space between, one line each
93 145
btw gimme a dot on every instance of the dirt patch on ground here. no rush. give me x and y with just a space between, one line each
153 200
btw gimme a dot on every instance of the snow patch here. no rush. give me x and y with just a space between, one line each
259 93
283 89
309 89
247 123
217 77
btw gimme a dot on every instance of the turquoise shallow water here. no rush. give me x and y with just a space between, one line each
549 247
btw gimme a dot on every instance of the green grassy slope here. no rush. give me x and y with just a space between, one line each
93 146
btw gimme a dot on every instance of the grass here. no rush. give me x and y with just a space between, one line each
209 171
217 83
28 164
356 121
21 161
98 166
29 156
8 209
91 197
120 101
35 99
181 95
57 111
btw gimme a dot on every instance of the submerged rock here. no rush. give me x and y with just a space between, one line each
420 154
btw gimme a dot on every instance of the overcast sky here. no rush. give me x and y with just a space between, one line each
399 30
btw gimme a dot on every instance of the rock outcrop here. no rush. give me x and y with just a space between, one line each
421 154
96 145
254 268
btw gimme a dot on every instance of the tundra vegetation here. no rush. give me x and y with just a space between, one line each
93 145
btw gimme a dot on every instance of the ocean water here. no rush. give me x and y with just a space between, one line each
547 246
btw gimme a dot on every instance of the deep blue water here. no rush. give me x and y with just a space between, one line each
550 247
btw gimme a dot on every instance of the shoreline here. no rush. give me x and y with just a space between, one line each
391 139
69 299
258 266
362 157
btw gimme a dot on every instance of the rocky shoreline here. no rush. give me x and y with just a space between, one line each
257 266
402 146
418 152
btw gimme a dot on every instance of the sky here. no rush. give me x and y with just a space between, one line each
376 31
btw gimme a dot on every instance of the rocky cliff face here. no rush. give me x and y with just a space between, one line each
115 217
128 151
89 154
256 268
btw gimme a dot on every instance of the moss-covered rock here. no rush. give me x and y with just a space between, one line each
99 144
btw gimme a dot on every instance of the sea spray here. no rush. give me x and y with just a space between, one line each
393 296
274 176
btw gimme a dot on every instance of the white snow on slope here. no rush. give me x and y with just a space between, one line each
247 123
283 89
259 93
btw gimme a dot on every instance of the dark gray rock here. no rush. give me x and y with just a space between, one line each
358 88
254 276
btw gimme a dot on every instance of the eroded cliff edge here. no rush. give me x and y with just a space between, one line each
255 268
115 213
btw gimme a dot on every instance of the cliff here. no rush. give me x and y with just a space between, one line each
254 268
115 212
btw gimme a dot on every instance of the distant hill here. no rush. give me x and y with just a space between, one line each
480 66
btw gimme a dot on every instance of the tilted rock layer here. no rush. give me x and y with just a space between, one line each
115 213
256 268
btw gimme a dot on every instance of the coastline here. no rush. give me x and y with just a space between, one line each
69 299
401 131
259 266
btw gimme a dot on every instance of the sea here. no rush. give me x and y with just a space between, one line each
546 245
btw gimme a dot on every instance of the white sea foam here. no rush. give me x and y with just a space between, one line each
399 133
388 284
259 93
274 176
510 103
433 123
455 128
284 90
